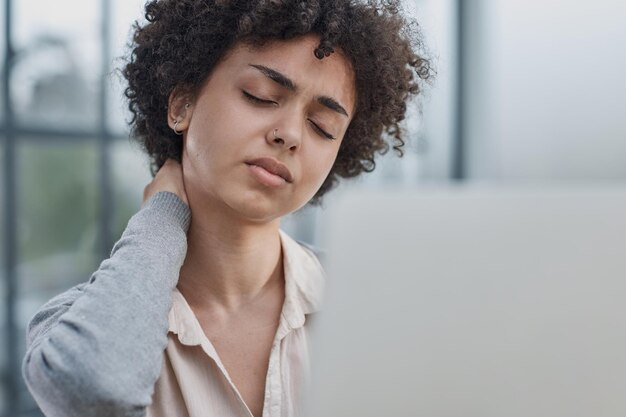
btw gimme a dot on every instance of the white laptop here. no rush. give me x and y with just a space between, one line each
473 302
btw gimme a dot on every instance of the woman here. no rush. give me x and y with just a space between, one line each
248 110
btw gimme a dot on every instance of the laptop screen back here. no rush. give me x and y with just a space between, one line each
484 302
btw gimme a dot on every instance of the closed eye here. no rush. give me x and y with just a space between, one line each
321 131
257 100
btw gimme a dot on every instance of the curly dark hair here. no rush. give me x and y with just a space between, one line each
182 41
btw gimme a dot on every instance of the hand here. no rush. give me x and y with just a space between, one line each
168 178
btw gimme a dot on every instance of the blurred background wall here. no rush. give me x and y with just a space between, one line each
525 91
545 90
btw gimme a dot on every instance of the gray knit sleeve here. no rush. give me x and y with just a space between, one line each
96 350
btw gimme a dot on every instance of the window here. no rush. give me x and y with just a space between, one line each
67 136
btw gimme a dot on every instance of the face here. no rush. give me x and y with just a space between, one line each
264 131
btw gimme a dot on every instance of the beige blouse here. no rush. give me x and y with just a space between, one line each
195 383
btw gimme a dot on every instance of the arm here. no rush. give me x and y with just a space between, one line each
96 350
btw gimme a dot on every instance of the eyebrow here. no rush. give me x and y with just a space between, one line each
287 83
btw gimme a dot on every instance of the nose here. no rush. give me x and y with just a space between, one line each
286 134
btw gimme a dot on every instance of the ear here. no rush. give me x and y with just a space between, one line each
179 109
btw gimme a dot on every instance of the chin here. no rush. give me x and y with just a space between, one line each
257 207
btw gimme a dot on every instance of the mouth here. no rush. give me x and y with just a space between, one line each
270 172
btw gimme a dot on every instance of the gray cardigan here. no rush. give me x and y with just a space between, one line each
96 349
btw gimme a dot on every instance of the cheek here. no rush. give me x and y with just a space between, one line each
197 151
198 157
320 166
203 141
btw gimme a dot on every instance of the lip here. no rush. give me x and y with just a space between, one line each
273 166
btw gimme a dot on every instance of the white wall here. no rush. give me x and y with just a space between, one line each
437 19
546 88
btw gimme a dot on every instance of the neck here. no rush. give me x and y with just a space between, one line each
230 263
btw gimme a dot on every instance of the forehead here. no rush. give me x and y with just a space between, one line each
332 76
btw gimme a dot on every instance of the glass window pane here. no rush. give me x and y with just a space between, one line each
57 225
131 174
56 74
124 13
